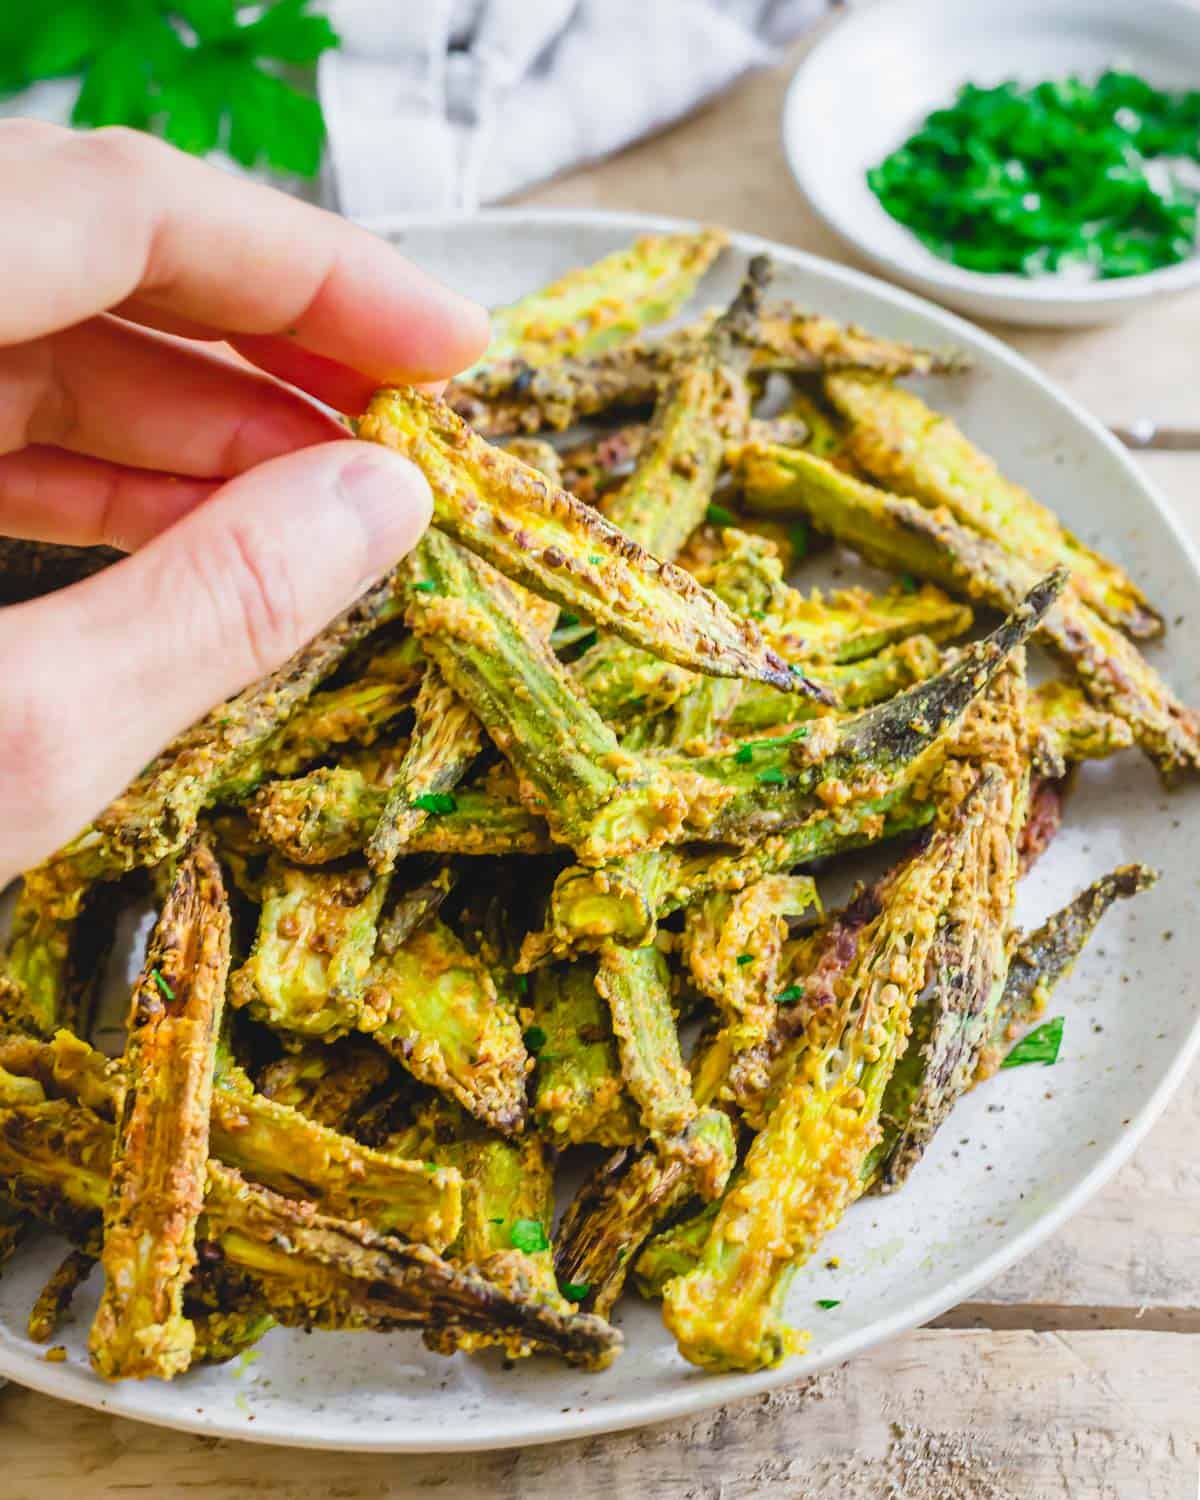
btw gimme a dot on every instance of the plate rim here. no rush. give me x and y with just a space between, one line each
707 1392
1005 296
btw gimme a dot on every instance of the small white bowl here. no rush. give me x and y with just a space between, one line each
869 84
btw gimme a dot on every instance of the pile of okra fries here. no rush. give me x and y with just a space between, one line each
518 857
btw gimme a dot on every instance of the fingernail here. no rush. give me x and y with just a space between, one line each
391 499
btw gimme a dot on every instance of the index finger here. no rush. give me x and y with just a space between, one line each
151 224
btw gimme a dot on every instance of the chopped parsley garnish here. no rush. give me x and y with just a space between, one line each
575 1291
162 984
567 620
436 802
1040 1046
744 753
719 516
772 776
798 537
522 983
425 586
744 958
595 557
495 1221
529 1236
790 995
828 1302
535 1039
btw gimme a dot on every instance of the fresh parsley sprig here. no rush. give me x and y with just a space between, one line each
205 74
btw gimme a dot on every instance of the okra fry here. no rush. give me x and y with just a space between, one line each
547 540
569 764
332 812
1046 956
802 1169
580 1096
435 1008
161 1147
969 959
625 1199
54 1300
1066 729
636 984
156 815
30 569
592 307
918 452
307 970
901 533
446 739
311 1270
268 1140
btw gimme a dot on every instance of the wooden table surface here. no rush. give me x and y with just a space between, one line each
1077 1374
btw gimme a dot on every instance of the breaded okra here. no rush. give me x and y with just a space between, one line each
571 769
580 1096
436 1009
160 1150
267 1139
969 960
313 1271
803 1168
1066 729
563 550
636 983
921 453
901 533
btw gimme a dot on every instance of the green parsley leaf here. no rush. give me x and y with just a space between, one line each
529 1236
1040 1046
790 995
166 989
595 557
495 1221
431 1166
828 1302
535 1039
744 754
575 1291
744 958
521 981
719 516
436 802
772 776
799 538
425 586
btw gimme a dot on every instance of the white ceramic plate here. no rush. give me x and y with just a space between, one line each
994 1182
869 84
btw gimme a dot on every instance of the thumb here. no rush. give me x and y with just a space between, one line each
106 672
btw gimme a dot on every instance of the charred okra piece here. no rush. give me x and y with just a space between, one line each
901 533
55 1298
436 1010
316 935
559 548
331 1083
570 767
803 1168
625 1200
161 1147
969 960
919 452
30 569
1047 955
580 1096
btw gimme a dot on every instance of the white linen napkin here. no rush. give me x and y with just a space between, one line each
435 105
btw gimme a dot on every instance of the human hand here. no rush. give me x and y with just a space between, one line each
248 528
